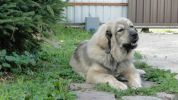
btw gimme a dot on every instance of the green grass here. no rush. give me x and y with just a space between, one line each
51 80
137 56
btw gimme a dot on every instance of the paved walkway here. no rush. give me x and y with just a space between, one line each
160 50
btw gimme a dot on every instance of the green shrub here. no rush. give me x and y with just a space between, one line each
22 21
17 63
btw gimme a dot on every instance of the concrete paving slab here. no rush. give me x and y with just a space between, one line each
94 95
140 98
160 50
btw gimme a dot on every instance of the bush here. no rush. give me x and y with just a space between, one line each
17 63
22 21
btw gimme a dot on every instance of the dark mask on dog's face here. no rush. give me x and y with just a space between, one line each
133 38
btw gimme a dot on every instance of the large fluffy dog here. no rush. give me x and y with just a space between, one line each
108 54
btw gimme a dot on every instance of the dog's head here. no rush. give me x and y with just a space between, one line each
122 36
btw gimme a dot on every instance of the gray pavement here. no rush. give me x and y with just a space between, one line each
160 50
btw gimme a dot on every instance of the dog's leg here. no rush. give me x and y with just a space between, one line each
133 76
141 72
98 74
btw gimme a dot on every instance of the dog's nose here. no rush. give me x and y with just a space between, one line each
133 34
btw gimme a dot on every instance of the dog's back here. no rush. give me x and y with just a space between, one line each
80 61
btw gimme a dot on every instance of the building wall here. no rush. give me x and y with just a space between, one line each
151 13
77 13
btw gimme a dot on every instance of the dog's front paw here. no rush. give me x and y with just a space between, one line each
119 85
141 72
135 85
122 86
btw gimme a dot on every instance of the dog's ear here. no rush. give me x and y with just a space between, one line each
108 36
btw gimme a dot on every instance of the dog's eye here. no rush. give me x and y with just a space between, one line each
120 30
131 26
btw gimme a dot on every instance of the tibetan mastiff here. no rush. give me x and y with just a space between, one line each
107 54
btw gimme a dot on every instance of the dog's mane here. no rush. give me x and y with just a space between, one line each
103 46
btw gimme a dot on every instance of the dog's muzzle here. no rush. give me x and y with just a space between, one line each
133 35
133 38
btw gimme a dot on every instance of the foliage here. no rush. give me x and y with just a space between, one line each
60 91
17 63
52 80
23 21
137 56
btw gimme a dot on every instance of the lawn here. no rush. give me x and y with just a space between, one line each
51 80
